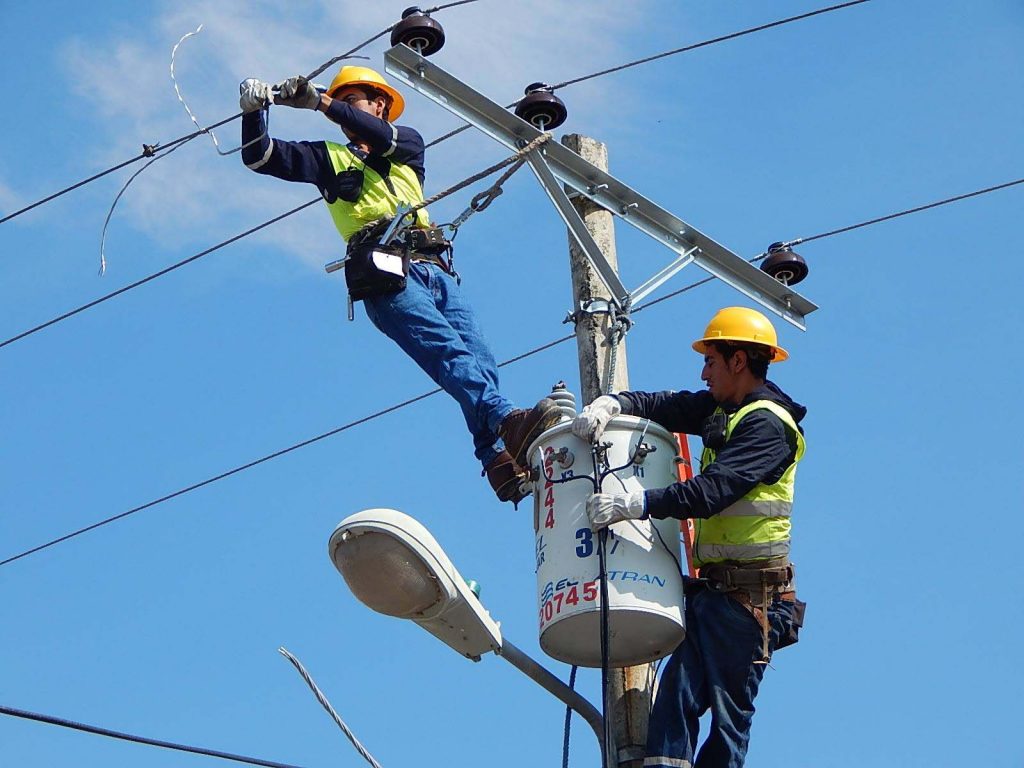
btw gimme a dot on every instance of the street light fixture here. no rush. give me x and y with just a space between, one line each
395 566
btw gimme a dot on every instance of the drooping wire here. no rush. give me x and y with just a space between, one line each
113 205
515 161
327 706
63 723
155 275
309 441
149 149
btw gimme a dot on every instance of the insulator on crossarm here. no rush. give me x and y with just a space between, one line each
565 399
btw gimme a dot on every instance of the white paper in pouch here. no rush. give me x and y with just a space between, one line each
388 262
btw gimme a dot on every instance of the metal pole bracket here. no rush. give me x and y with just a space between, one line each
597 185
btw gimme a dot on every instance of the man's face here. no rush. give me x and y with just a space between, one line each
356 97
720 375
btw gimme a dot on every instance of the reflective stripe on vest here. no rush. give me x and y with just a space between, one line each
757 527
377 200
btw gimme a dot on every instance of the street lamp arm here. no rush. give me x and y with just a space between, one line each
554 686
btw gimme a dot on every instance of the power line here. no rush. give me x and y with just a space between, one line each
150 150
907 212
436 141
190 259
310 441
432 392
673 52
51 720
155 275
712 41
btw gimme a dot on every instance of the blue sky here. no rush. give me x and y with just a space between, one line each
166 624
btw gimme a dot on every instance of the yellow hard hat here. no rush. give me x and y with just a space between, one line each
746 326
352 75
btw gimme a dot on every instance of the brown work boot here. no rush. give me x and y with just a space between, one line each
523 426
507 478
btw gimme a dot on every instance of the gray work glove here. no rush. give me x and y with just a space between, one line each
606 509
254 94
590 424
296 92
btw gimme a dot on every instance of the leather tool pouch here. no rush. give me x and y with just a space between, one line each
427 240
792 636
373 269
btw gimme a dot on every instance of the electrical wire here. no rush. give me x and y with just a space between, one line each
51 720
327 706
712 41
155 275
673 52
435 142
568 720
148 150
190 259
417 398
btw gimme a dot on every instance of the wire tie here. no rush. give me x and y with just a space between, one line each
148 150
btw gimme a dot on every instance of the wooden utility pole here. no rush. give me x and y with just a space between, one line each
630 687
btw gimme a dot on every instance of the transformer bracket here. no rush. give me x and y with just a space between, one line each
555 164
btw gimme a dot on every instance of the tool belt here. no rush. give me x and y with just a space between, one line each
755 586
373 268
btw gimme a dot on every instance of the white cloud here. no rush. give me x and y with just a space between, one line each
9 201
195 195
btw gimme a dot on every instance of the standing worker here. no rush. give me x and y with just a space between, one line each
363 182
743 606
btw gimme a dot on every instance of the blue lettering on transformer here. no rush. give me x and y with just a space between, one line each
549 590
636 576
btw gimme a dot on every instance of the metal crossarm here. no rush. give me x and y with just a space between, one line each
576 225
597 185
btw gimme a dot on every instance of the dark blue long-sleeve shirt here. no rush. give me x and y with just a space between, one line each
759 450
308 161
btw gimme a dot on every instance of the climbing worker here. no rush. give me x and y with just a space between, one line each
743 606
362 182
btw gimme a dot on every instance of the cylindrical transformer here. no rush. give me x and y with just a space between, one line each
645 587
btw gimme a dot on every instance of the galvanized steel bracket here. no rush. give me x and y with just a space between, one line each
560 164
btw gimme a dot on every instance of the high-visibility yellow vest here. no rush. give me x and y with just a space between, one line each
380 196
757 527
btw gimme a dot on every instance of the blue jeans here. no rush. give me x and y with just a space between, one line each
436 327
713 668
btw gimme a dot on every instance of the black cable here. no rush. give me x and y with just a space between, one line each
820 236
155 275
50 720
712 41
304 443
568 720
556 342
148 150
907 212
673 52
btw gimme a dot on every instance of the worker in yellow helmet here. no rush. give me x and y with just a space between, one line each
407 285
743 606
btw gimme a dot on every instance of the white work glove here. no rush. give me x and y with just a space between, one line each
590 424
254 94
296 92
606 509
